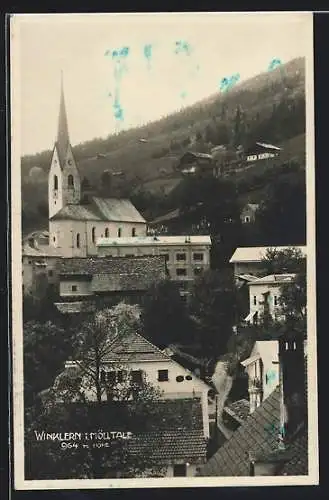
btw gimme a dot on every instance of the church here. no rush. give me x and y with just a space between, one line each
77 218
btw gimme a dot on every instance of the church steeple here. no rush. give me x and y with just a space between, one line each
63 139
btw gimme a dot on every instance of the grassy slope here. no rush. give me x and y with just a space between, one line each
151 164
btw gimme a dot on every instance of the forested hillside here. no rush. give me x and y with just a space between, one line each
269 108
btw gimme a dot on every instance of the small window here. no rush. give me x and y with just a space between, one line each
247 218
136 377
30 261
179 378
70 181
166 256
50 273
163 375
54 238
107 232
188 377
255 300
181 272
55 182
74 288
78 240
197 271
180 256
133 231
180 470
275 300
119 232
198 256
93 235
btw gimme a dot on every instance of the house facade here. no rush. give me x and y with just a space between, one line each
193 163
249 260
39 269
186 256
248 213
134 360
100 282
262 368
262 151
264 296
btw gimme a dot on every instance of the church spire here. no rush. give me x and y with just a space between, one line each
63 131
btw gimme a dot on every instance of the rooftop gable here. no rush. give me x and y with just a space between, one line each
256 254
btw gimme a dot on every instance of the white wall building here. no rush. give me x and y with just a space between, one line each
262 368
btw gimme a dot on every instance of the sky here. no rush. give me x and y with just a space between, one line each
121 71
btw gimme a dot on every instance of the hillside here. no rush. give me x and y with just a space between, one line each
269 108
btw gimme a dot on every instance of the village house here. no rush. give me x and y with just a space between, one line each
186 256
273 439
77 219
249 260
248 213
39 269
264 296
262 368
262 151
96 282
132 359
193 163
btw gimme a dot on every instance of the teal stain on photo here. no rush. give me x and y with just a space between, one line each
275 429
183 94
228 82
148 51
118 111
271 376
183 47
120 53
274 64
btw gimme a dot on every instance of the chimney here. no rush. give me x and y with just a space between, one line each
293 410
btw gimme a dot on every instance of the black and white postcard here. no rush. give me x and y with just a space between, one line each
163 250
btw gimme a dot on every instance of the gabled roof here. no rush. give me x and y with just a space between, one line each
239 410
101 209
272 279
134 348
123 266
253 436
169 447
256 254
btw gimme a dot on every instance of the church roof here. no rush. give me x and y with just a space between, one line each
101 209
63 139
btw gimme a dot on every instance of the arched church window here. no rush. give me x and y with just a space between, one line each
55 182
70 181
107 232
93 234
78 240
119 232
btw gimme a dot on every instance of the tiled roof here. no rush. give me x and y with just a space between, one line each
155 240
298 464
134 348
239 410
125 266
173 214
255 435
101 209
168 447
256 254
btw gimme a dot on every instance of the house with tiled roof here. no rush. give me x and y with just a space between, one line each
76 218
133 359
101 281
249 260
194 163
272 440
264 296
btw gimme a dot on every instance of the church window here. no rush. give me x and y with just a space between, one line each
119 232
55 182
133 231
78 240
70 181
93 235
107 232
